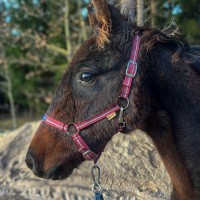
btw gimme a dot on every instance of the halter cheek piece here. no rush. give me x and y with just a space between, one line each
126 86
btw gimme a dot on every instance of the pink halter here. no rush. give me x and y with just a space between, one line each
82 146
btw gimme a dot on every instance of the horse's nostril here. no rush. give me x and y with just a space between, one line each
29 161
32 164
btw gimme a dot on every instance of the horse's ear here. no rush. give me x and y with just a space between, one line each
104 19
100 21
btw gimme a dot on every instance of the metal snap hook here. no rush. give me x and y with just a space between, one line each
121 123
96 176
96 169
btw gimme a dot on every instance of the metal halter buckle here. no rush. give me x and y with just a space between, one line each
128 74
87 152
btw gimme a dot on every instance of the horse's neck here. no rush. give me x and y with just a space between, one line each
171 125
159 129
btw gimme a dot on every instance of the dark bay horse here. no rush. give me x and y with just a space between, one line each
164 100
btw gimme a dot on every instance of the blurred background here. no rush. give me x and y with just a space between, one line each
39 37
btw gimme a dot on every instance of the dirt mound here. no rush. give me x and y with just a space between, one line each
131 170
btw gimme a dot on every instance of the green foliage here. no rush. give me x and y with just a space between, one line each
36 36
186 14
189 19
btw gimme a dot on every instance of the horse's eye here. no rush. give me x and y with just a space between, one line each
87 77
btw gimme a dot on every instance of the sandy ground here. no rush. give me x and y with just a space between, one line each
135 172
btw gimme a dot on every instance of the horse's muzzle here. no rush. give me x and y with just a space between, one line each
58 172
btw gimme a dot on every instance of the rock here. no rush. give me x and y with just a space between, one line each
131 170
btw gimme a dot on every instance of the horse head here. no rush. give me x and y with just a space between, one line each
91 84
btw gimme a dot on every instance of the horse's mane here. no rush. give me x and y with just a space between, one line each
154 36
174 40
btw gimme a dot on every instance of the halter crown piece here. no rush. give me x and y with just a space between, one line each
83 148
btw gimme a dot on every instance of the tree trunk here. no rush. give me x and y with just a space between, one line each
67 30
83 33
153 8
140 12
9 89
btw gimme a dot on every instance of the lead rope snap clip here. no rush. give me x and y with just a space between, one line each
96 188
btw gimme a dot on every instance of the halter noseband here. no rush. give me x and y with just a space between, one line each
108 113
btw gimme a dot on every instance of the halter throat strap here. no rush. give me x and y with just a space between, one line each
83 148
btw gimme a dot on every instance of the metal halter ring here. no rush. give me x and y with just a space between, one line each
121 104
71 127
